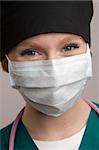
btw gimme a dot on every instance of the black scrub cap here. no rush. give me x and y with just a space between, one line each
24 19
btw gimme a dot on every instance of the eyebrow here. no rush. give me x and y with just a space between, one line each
29 44
34 44
70 38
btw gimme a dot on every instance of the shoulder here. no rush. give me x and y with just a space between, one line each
91 137
94 120
4 136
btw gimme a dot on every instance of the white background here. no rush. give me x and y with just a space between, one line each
11 101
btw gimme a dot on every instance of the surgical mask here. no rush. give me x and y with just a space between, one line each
52 86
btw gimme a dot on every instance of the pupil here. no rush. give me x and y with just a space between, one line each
68 48
33 52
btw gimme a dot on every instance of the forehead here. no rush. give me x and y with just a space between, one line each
51 37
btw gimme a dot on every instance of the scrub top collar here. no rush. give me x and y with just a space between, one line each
23 139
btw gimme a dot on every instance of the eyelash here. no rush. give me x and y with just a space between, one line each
29 52
71 46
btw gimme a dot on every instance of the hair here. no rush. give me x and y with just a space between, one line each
4 64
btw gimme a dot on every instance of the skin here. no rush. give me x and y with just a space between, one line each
52 46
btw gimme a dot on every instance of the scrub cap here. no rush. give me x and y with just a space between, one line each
24 19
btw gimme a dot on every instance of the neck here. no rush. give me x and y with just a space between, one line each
43 127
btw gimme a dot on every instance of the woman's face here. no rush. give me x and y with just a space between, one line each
48 46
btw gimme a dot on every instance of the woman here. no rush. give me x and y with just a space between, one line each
45 49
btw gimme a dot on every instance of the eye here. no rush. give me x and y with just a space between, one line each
29 52
70 46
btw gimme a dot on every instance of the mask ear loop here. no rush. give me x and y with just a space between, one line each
88 49
9 69
9 61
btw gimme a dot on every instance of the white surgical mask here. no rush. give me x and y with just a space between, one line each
52 86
